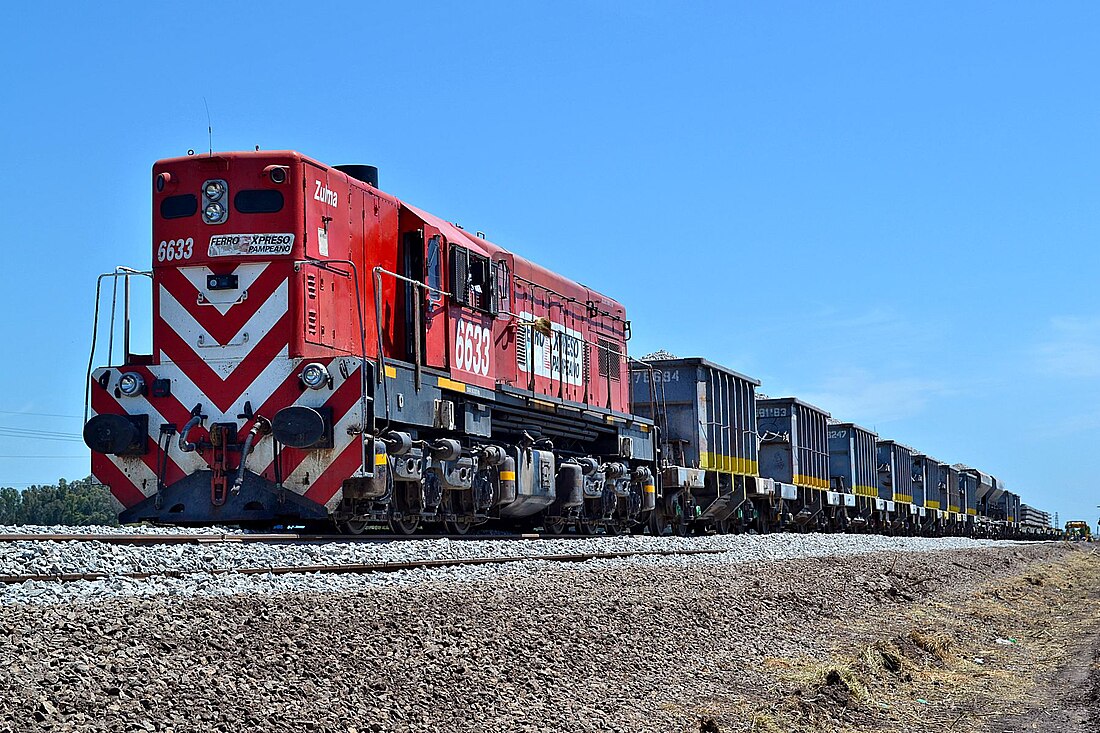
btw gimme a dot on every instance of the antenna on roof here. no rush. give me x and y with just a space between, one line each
209 127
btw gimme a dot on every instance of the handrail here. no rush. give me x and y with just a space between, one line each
119 271
323 264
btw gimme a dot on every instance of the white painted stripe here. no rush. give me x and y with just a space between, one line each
317 461
258 392
222 300
223 358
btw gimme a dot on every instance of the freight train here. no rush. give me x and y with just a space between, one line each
325 354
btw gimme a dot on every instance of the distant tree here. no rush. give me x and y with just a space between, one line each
9 506
79 502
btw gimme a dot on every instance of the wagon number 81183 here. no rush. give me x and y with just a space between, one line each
472 347
175 249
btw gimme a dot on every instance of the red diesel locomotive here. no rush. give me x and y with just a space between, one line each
324 352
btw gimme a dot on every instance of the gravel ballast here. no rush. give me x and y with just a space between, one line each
599 646
34 557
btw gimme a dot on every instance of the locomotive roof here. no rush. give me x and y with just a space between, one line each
525 268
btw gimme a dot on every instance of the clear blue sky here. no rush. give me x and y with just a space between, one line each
888 210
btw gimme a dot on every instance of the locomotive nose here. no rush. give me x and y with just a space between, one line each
111 434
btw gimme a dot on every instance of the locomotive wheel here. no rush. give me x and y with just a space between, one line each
456 504
460 526
353 527
406 525
554 526
658 523
586 527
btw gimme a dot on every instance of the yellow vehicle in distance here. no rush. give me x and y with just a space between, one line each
1078 530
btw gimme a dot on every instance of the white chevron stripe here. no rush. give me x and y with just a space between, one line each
188 394
247 274
258 392
223 358
134 467
317 461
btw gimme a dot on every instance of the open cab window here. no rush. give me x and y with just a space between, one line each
472 280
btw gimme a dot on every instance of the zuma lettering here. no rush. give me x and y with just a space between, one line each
325 195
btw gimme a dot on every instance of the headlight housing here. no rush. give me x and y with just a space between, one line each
214 199
315 376
213 213
131 385
213 190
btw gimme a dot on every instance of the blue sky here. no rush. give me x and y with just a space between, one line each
888 210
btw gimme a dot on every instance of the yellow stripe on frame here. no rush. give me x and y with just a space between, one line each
391 372
379 459
452 385
507 475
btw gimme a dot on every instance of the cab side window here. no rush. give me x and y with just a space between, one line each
434 269
472 282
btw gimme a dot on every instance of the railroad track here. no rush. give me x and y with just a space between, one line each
356 568
271 538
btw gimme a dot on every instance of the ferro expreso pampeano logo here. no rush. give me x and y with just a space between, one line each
236 245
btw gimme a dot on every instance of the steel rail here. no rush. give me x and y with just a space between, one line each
212 538
355 568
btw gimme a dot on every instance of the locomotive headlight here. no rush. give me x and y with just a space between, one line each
315 376
131 385
213 190
214 212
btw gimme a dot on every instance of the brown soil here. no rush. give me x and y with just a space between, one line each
1020 652
884 641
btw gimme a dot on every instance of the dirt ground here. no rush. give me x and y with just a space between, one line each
984 640
1016 653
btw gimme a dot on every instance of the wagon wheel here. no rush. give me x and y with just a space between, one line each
409 511
722 526
680 526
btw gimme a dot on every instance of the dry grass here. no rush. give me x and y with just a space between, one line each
943 668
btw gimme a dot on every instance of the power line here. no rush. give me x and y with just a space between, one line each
60 458
40 414
32 434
